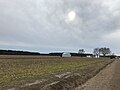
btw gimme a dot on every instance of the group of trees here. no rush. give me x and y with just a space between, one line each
98 51
81 51
101 51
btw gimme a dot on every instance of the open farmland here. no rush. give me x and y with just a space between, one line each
18 71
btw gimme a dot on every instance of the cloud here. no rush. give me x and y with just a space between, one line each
42 23
113 38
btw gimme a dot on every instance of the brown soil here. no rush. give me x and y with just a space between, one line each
107 79
69 80
75 79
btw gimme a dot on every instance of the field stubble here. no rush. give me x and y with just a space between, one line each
18 71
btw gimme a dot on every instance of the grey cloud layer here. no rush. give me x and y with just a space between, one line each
41 23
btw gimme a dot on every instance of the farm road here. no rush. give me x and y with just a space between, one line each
107 79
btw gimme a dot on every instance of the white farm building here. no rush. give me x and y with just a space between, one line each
66 54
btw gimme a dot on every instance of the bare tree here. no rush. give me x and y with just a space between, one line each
81 51
104 51
96 52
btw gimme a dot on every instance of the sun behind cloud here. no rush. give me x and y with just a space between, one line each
70 16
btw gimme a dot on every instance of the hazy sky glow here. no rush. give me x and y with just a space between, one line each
59 25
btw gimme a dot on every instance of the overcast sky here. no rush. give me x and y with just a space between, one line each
59 25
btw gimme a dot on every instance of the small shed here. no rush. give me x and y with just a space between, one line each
66 54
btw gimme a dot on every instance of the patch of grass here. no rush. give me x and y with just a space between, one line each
18 70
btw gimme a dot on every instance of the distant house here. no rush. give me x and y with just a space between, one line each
89 56
66 54
97 56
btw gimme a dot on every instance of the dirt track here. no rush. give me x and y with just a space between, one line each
107 79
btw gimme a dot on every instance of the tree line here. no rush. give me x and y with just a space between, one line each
13 52
98 51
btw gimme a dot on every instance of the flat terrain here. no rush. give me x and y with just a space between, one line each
107 79
16 71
